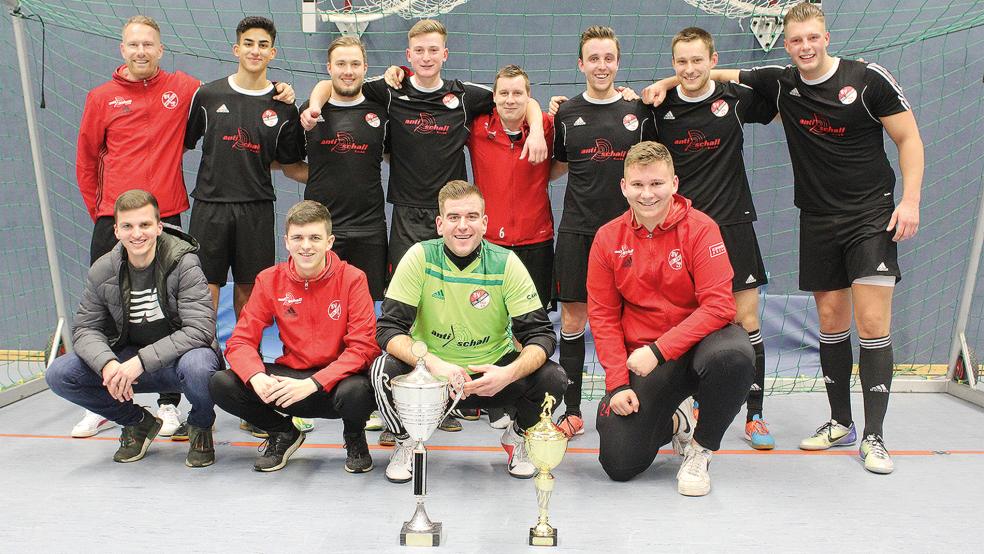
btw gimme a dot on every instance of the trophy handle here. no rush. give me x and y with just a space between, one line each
457 383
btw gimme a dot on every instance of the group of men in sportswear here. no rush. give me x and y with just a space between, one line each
655 249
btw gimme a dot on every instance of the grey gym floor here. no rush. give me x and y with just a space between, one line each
61 494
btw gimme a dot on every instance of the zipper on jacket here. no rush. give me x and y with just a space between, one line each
306 284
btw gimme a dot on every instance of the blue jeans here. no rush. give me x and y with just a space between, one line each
70 378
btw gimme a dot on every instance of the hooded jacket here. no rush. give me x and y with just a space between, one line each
132 136
103 319
670 287
326 323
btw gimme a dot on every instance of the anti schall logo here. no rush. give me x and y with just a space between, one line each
602 151
427 125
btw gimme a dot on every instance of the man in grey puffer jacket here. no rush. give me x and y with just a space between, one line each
145 324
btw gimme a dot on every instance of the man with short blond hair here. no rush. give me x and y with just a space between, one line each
471 302
664 257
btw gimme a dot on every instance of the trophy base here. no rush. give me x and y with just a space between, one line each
543 540
431 537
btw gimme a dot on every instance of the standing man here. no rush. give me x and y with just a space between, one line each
834 112
432 118
345 151
471 302
245 131
515 190
664 257
700 122
593 133
145 324
325 317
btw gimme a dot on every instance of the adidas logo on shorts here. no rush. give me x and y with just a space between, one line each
578 122
222 109
755 387
794 92
828 380
881 267
669 115
879 388
751 279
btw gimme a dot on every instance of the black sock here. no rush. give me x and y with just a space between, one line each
572 360
757 393
836 361
875 365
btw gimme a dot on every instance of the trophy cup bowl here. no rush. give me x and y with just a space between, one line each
546 446
419 398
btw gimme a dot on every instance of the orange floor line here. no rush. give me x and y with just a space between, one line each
570 450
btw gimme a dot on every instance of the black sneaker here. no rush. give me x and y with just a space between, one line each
201 453
450 424
278 449
181 433
357 459
387 438
136 439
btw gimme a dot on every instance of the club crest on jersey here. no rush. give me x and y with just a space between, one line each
170 99
631 122
675 259
480 299
372 119
335 309
602 151
847 95
241 141
270 118
119 102
289 299
720 108
717 249
451 101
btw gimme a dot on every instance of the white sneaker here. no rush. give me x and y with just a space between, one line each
686 422
501 423
875 456
693 479
514 444
400 468
375 422
171 416
91 424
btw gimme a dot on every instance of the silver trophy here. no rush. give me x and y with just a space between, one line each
419 398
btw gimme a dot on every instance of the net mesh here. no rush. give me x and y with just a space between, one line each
407 9
932 48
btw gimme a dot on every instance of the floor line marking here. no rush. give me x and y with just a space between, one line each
570 450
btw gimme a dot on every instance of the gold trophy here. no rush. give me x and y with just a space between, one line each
546 446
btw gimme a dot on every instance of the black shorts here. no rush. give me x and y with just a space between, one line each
745 256
104 239
408 227
837 249
571 267
233 234
366 251
539 259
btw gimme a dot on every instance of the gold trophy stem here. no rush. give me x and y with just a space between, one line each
543 534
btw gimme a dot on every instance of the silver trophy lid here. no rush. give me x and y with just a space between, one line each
420 377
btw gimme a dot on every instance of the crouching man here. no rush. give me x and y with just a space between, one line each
661 310
325 317
145 324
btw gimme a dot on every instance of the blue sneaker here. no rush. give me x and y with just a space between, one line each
757 433
830 434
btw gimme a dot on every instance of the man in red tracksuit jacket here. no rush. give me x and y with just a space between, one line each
516 197
325 316
661 310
